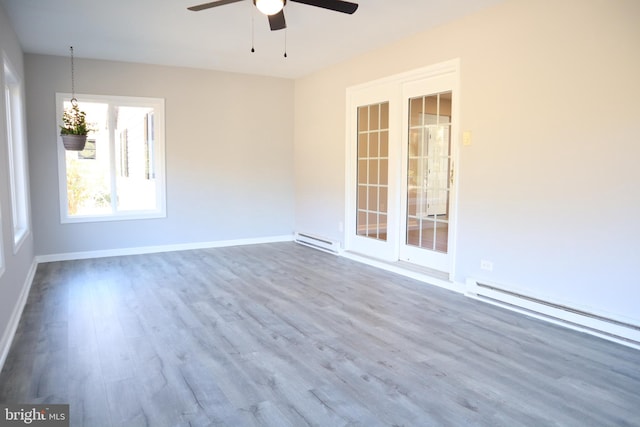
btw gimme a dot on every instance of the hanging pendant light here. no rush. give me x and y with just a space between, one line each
269 7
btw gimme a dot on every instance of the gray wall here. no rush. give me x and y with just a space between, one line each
548 190
17 264
229 154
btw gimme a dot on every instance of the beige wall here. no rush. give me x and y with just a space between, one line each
229 162
548 190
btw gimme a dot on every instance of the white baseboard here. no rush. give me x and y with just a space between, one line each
602 325
14 320
163 248
590 321
317 242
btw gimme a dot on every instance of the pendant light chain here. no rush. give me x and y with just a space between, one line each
74 101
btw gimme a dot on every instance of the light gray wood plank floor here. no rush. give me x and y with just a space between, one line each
283 335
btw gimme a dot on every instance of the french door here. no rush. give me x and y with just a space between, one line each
428 172
372 216
401 157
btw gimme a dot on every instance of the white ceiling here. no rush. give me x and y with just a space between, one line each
164 32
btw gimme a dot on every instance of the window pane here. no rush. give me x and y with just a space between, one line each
384 171
362 197
362 171
373 171
363 118
134 148
415 112
384 115
362 146
373 199
374 122
384 144
383 199
88 172
373 145
362 223
442 230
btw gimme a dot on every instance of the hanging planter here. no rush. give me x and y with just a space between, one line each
74 129
74 142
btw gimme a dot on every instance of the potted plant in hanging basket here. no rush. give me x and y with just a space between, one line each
74 129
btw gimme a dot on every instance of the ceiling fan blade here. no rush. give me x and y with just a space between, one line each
276 21
336 5
212 4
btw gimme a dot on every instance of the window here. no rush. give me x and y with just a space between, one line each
120 172
17 156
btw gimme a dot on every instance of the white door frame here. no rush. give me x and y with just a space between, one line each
391 89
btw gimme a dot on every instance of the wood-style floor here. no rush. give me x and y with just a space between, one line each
283 335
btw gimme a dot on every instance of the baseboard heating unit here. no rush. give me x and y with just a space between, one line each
596 324
316 242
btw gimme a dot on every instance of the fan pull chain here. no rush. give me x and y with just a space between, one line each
285 42
252 29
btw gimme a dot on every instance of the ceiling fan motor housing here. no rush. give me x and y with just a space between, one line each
270 7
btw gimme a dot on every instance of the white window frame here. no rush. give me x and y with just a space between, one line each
159 157
17 154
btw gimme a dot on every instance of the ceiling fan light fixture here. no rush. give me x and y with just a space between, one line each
269 7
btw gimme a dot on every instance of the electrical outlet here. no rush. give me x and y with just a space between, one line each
486 265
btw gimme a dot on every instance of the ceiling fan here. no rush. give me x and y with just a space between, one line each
274 8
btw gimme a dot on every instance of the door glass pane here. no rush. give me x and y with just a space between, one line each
373 174
428 172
